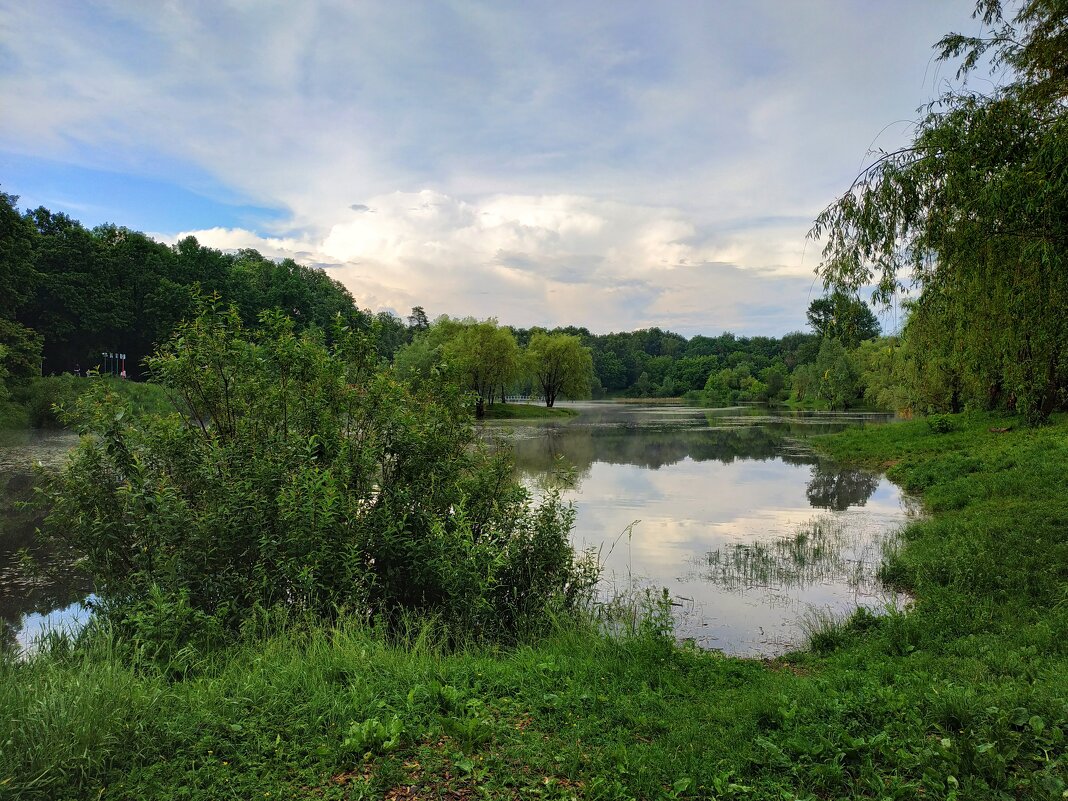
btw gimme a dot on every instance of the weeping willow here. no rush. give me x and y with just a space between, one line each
974 215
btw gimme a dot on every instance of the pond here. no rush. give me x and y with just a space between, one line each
731 510
30 601
753 535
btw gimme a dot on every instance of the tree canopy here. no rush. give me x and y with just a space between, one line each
485 357
303 476
974 213
82 292
844 317
559 364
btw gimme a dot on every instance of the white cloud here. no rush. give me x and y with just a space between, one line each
542 162
541 260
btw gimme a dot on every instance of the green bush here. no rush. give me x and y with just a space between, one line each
940 423
42 398
303 476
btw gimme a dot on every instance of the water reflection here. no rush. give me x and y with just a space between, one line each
836 487
581 445
822 551
731 510
35 580
662 441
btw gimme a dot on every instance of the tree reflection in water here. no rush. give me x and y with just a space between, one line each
580 447
837 488
725 500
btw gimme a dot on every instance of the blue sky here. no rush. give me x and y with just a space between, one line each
618 165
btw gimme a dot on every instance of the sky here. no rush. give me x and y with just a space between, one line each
617 165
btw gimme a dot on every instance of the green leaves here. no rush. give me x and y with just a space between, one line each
308 478
559 364
972 213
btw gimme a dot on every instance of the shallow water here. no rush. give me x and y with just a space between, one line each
30 601
731 510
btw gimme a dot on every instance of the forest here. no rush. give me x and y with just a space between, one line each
73 295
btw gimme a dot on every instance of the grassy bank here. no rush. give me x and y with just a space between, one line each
526 411
34 403
962 697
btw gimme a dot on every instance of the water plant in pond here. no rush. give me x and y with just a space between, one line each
821 551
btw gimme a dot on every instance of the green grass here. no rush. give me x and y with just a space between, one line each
38 400
526 411
964 696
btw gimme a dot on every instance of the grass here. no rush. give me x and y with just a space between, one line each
962 696
36 401
526 411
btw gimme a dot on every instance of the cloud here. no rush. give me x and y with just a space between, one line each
558 162
543 260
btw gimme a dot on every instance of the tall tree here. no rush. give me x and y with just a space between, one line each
17 275
559 364
843 317
417 320
976 210
837 375
21 346
483 356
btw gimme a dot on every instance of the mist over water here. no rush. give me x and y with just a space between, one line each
730 510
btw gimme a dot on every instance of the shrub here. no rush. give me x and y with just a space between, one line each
41 398
304 476
940 423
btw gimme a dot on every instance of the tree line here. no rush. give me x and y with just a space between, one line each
69 294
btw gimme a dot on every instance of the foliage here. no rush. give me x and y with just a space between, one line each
84 292
974 209
836 375
22 346
10 414
17 276
422 360
940 423
484 357
960 696
44 400
842 317
302 476
881 369
560 365
417 320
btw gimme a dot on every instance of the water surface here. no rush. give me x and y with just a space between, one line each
31 599
731 510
